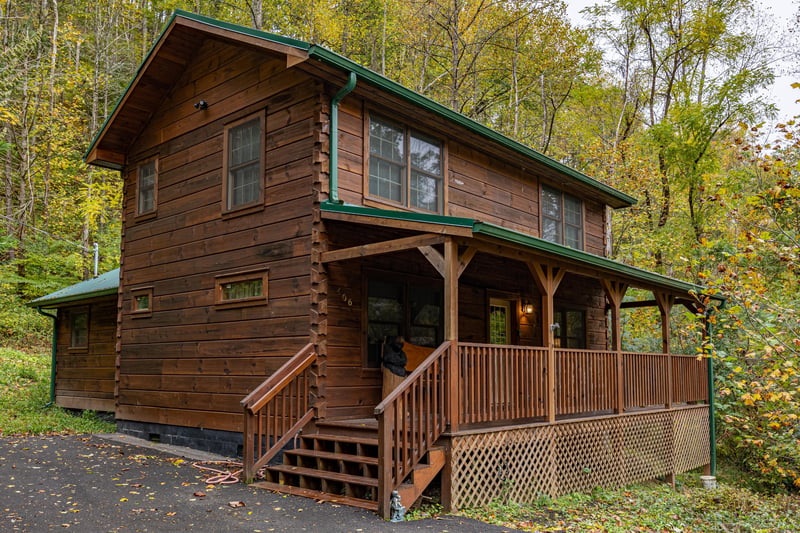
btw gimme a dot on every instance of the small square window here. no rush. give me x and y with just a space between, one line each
241 289
146 186
142 301
244 163
79 329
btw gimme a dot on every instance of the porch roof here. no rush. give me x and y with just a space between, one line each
461 226
103 285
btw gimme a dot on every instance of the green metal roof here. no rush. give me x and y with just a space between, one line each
103 285
528 241
340 62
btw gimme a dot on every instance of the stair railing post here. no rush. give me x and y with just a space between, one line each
248 453
385 455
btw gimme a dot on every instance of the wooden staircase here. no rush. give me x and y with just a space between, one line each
339 463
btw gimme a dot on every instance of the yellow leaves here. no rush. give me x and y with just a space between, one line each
7 116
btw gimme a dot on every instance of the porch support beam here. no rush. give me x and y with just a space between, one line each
466 258
451 329
434 258
548 278
385 247
665 303
615 292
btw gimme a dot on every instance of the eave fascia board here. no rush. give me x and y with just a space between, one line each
45 303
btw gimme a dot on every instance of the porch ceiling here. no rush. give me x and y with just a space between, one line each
497 240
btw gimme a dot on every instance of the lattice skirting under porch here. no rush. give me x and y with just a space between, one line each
523 464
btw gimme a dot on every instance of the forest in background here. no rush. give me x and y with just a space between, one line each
662 99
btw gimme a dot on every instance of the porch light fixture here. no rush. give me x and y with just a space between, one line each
527 308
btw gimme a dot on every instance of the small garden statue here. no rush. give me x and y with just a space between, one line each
397 508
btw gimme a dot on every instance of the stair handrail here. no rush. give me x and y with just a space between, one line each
424 400
276 411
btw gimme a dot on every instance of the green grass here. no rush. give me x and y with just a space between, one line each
24 392
653 507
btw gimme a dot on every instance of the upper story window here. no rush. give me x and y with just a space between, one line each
405 167
146 185
244 163
562 218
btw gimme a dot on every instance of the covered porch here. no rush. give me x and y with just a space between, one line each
547 412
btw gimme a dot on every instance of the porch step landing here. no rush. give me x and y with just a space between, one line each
339 464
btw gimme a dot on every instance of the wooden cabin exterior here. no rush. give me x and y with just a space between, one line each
84 348
285 210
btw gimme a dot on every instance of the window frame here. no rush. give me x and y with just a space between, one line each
227 183
135 295
407 285
261 274
150 213
73 315
407 168
563 337
563 223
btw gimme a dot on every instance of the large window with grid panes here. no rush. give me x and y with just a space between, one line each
405 166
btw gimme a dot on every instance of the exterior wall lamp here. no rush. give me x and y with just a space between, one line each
527 308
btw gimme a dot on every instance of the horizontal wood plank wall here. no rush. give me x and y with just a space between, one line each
190 363
85 377
594 228
480 185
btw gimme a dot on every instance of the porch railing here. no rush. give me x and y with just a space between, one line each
411 419
505 383
585 381
501 382
276 411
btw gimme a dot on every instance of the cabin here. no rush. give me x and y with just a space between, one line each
287 212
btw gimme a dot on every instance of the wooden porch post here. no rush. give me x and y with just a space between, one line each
451 262
547 278
615 292
665 302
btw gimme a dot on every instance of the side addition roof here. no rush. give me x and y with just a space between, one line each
177 46
103 285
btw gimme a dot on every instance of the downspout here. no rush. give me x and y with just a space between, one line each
54 344
712 423
333 170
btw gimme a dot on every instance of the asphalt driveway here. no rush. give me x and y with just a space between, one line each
107 484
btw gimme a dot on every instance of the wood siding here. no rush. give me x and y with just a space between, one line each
190 362
85 376
480 183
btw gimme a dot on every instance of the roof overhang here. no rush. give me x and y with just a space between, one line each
178 44
103 285
165 63
485 235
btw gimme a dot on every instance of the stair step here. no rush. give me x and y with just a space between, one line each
334 456
318 495
369 441
354 427
324 474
